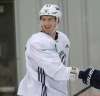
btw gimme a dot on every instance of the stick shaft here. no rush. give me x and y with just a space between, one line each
82 91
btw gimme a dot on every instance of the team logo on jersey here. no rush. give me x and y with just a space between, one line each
67 46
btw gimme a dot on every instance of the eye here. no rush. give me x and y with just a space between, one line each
50 19
43 19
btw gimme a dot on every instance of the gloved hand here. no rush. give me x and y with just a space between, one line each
91 77
74 72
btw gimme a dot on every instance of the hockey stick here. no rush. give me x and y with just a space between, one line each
82 91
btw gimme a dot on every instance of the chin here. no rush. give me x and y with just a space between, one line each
47 30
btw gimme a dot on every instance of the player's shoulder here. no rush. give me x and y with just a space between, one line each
63 37
40 39
36 36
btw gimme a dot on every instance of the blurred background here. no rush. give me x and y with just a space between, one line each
19 20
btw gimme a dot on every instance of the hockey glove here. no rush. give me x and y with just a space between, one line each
91 77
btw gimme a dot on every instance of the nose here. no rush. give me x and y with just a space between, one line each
46 22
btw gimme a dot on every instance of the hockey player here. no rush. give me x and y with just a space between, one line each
47 58
47 55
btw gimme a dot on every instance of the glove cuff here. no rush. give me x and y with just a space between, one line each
74 72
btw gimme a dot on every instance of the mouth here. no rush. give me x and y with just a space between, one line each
47 27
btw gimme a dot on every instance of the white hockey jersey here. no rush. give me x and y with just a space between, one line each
46 63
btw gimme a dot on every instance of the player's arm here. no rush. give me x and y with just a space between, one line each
49 60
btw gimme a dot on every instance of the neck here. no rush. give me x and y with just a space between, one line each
53 34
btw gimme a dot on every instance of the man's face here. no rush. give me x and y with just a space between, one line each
48 23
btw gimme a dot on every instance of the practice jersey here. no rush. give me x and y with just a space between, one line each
46 64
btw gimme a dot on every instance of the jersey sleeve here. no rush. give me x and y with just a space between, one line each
49 60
